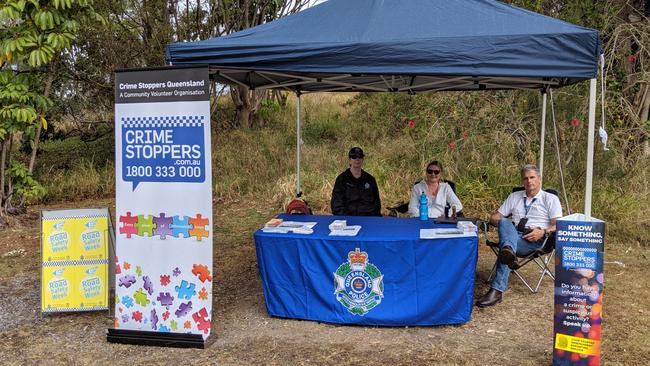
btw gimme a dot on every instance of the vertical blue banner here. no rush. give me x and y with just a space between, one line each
578 290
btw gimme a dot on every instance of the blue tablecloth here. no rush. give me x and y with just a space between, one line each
386 275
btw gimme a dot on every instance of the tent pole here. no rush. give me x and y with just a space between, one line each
298 140
542 136
590 145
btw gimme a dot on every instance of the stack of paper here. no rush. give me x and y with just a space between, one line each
443 233
275 222
284 227
346 231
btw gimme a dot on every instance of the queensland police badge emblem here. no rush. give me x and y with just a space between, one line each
359 286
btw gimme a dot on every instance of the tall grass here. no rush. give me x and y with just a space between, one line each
481 139
84 180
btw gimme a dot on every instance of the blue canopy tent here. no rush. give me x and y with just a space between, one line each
405 46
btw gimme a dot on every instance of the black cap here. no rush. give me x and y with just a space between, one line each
356 152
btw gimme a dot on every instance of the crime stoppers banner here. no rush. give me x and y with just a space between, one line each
164 201
74 263
578 290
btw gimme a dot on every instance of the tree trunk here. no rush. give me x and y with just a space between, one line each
3 169
644 115
280 97
39 127
247 103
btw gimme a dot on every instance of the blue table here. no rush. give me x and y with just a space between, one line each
386 275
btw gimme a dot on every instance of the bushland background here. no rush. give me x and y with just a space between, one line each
57 150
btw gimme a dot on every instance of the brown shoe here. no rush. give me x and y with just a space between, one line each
492 297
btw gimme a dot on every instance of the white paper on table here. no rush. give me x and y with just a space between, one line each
440 233
279 230
295 224
346 231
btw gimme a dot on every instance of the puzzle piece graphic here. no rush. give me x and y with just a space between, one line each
180 226
165 315
148 285
138 271
127 266
118 270
162 226
164 280
202 320
141 298
202 272
198 227
187 324
165 299
185 290
172 324
154 319
203 294
127 301
127 280
176 272
183 309
128 224
163 329
145 225
125 318
137 316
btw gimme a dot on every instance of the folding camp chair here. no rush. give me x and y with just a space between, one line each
402 208
542 256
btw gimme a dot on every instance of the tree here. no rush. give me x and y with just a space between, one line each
33 34
213 18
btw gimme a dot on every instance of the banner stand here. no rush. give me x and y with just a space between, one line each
145 338
163 190
579 285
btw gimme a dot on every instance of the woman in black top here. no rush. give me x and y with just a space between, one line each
355 192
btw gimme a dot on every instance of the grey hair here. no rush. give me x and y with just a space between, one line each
529 167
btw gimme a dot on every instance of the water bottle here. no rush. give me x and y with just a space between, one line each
424 207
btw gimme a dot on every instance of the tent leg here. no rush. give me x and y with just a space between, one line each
298 142
590 146
542 136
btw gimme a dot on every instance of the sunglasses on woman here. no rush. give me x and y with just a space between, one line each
433 171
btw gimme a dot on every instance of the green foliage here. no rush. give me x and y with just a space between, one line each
64 154
32 33
24 185
321 128
268 108
35 32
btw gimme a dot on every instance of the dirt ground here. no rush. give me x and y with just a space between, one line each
516 332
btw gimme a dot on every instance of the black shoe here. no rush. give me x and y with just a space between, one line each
507 256
492 297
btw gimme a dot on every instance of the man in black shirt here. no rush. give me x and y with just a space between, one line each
355 192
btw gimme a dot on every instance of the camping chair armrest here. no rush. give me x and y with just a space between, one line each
402 207
484 226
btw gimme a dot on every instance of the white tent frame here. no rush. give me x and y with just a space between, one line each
590 143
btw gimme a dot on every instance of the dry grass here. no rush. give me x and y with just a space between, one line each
516 332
